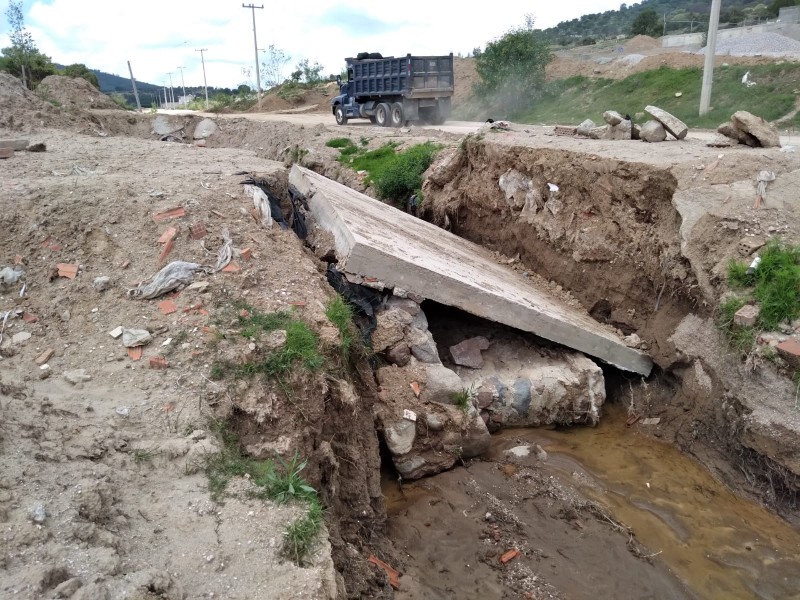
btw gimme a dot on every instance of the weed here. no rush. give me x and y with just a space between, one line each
300 535
364 141
348 151
740 339
297 154
463 399
340 142
340 313
395 175
737 274
143 455
286 483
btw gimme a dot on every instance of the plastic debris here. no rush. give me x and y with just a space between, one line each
10 275
225 253
175 275
123 411
409 415
131 338
763 179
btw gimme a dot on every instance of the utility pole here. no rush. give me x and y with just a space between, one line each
135 91
205 85
165 96
253 8
171 91
183 85
711 51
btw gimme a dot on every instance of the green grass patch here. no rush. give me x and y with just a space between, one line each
340 142
740 339
278 480
301 347
737 274
463 399
340 313
570 101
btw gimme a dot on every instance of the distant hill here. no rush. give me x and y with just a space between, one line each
681 16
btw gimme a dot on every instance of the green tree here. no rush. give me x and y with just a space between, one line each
512 69
81 70
272 67
647 23
23 59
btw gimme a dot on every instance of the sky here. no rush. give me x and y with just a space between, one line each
157 37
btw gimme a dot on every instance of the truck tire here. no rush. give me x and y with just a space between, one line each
382 114
397 116
341 117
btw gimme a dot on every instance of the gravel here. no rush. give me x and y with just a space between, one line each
755 44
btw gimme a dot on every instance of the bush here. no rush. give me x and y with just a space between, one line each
82 71
403 176
340 142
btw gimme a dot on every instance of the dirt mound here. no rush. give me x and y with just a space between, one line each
641 42
318 97
74 92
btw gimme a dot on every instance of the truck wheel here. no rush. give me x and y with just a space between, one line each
341 117
397 116
382 114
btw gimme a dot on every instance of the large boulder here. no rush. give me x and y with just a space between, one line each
732 132
586 127
205 128
653 132
612 117
441 384
671 123
766 134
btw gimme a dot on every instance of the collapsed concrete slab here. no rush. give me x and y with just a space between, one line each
376 240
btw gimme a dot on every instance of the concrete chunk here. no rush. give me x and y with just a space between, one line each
671 123
376 240
766 133
747 316
18 145
653 132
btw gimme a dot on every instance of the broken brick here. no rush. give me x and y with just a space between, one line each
244 314
198 231
167 307
790 352
414 388
219 214
232 267
18 260
172 213
392 573
170 234
747 315
29 317
158 362
165 251
246 254
67 270
509 556
135 353
44 356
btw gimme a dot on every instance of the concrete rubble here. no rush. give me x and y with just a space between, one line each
750 130
653 132
674 126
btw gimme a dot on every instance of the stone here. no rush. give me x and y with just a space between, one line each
517 187
434 422
77 376
102 283
67 588
399 354
164 125
633 341
400 437
14 144
205 128
275 340
116 333
468 352
636 132
404 304
423 347
587 126
476 438
789 350
199 287
420 321
612 117
612 132
389 329
540 453
766 133
21 337
442 384
38 514
131 338
732 132
522 397
519 451
671 123
653 132
747 316
376 240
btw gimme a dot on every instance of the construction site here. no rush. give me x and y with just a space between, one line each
228 370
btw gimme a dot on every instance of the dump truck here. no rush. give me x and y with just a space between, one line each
393 91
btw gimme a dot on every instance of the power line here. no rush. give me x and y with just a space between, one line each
205 85
253 8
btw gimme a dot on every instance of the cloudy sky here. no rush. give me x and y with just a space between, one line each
159 36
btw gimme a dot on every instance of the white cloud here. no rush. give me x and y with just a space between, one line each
157 37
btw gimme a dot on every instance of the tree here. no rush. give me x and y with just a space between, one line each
23 59
647 23
81 70
272 66
307 72
512 68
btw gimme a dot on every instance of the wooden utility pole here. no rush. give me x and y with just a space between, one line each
253 8
135 91
203 60
711 51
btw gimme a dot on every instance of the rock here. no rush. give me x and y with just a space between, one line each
540 453
399 354
671 123
67 588
423 347
20 338
766 134
653 132
521 401
519 451
77 376
434 422
636 132
404 304
198 286
400 437
442 384
416 466
468 352
585 127
732 132
517 187
38 514
612 132
420 321
632 341
204 129
65 316
389 329
116 333
747 316
102 283
720 141
476 437
275 340
612 117
164 125
131 338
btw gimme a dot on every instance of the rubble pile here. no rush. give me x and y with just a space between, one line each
750 130
618 127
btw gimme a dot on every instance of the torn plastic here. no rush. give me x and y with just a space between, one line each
365 300
764 178
299 211
261 203
225 253
9 275
274 204
175 275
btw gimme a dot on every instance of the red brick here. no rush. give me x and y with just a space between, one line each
167 307
509 556
232 267
165 251
29 317
135 353
169 235
790 352
747 316
198 231
45 356
158 362
171 213
67 270
246 254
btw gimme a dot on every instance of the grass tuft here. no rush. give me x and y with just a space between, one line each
463 399
298 539
340 313
740 339
339 142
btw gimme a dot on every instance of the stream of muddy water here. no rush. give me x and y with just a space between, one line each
711 542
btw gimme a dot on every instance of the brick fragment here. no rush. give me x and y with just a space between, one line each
232 267
67 270
198 231
136 353
171 213
167 307
170 234
158 362
44 356
747 316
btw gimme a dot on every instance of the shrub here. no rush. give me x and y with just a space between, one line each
340 142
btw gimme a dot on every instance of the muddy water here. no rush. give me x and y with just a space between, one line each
718 544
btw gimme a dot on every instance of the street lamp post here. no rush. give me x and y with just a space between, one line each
171 91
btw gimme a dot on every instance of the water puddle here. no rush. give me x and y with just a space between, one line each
719 545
